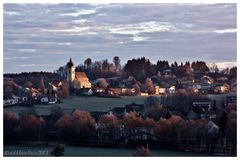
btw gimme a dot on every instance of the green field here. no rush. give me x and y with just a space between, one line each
83 103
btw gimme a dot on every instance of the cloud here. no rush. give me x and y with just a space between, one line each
223 65
229 30
74 29
35 65
80 21
137 29
27 50
11 13
157 31
143 27
139 38
79 13
13 58
65 44
102 14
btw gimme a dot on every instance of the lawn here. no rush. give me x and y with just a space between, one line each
83 103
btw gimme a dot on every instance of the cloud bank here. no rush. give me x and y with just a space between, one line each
40 34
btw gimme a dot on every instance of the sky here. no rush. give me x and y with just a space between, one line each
42 37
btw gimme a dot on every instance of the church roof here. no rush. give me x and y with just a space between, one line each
70 63
81 76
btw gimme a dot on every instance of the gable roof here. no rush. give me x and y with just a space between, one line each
81 76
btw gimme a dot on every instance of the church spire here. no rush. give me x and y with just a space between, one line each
70 63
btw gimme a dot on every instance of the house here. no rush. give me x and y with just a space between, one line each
124 90
201 107
97 114
86 91
48 99
206 87
139 108
222 79
172 90
160 90
167 72
98 90
206 80
23 99
221 88
10 100
212 128
118 111
44 99
127 91
208 116
144 94
195 86
54 87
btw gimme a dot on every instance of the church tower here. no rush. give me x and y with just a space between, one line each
71 72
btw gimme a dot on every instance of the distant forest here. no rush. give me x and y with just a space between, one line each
33 77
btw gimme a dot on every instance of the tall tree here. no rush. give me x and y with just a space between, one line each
88 63
42 86
137 89
29 126
105 66
149 86
116 61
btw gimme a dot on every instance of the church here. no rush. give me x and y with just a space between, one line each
77 80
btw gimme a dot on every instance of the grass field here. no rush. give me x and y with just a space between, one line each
97 103
83 103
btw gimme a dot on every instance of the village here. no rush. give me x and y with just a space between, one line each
77 83
165 99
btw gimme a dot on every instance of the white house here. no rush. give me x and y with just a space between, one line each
11 100
48 100
172 89
44 99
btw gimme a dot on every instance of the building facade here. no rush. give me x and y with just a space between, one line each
76 80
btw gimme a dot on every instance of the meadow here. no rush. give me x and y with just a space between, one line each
83 103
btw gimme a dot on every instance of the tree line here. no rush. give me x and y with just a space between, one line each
141 68
166 127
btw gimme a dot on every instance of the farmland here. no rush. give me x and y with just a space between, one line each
83 103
